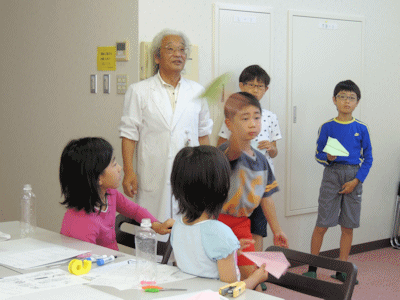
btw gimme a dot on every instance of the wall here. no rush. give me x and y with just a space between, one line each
379 106
49 50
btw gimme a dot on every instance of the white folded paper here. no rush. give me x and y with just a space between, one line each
335 148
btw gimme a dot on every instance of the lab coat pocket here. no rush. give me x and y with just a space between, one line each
187 139
190 138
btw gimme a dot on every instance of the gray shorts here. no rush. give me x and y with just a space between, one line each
335 208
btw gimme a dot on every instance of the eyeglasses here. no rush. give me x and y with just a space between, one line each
344 98
181 50
259 86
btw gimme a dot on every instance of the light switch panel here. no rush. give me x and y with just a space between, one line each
93 83
106 83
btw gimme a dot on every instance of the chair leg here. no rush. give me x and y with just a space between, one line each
167 254
396 226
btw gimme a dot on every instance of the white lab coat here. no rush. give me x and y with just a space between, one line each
160 134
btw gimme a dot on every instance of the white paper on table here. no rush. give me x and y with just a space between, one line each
77 292
202 295
4 236
123 275
166 274
30 253
35 282
120 275
335 148
275 262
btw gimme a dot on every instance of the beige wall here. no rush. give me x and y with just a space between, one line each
48 51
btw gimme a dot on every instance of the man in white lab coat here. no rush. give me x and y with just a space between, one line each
161 115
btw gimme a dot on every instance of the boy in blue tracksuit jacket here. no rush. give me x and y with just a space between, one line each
341 188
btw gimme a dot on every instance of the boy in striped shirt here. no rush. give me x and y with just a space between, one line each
252 180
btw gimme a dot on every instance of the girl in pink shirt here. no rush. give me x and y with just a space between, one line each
89 176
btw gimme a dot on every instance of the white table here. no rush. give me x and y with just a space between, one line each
192 285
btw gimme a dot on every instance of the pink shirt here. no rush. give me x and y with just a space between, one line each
98 228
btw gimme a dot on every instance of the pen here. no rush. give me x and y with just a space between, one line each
156 289
95 257
44 277
103 261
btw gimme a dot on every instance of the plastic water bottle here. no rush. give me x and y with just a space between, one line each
146 246
28 212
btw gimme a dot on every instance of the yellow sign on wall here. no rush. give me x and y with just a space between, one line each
106 60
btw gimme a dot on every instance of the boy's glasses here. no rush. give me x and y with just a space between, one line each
344 98
181 50
257 86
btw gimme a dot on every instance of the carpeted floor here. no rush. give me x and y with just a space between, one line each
378 274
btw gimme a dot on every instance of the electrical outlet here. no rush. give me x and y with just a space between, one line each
122 83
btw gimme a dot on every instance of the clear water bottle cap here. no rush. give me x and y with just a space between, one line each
145 223
27 187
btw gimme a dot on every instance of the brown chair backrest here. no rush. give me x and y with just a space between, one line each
316 287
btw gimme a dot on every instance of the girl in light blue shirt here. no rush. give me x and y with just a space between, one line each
202 245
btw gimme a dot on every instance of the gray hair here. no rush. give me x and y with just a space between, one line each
156 44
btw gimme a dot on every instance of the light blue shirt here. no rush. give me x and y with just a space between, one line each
198 247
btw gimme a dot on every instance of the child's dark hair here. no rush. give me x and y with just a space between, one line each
200 180
254 72
348 86
236 102
82 162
